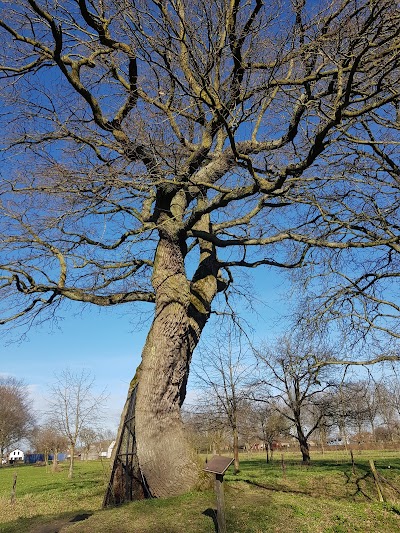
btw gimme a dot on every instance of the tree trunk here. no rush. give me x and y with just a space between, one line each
166 462
71 461
304 448
305 452
343 433
373 431
54 467
236 464
164 455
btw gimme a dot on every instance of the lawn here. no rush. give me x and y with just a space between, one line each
43 496
325 497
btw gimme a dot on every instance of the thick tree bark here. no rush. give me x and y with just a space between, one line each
165 460
163 453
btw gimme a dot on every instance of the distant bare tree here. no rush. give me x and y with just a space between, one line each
48 439
88 438
392 383
73 404
272 424
289 374
224 373
16 413
387 409
206 427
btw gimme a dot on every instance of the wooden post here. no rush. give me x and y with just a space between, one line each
219 491
353 466
377 484
218 466
283 466
14 488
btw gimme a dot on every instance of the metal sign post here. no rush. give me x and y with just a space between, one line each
218 465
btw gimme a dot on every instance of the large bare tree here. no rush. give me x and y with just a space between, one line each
153 148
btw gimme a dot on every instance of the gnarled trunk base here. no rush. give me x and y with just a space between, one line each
126 480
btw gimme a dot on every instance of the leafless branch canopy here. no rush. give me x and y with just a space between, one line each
248 132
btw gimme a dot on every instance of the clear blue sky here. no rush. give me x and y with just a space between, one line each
108 342
103 342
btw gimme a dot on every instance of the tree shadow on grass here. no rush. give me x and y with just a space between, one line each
274 488
357 482
212 513
40 524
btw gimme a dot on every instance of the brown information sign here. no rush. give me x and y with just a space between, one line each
218 465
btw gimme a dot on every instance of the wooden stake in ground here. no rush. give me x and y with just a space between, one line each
219 491
376 478
353 466
283 466
14 488
218 466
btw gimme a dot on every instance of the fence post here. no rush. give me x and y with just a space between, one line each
14 488
377 484
218 466
353 466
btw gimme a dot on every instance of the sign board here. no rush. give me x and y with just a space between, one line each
218 465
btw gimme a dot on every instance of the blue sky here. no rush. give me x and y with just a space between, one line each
103 342
108 342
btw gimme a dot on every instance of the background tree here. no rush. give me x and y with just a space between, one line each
223 374
88 438
16 415
355 406
47 439
272 424
392 383
206 426
387 409
154 148
289 375
73 404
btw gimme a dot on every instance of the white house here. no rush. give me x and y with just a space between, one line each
102 449
16 455
110 449
108 453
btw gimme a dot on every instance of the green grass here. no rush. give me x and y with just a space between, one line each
42 495
323 498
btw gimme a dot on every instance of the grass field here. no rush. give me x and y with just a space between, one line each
325 497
